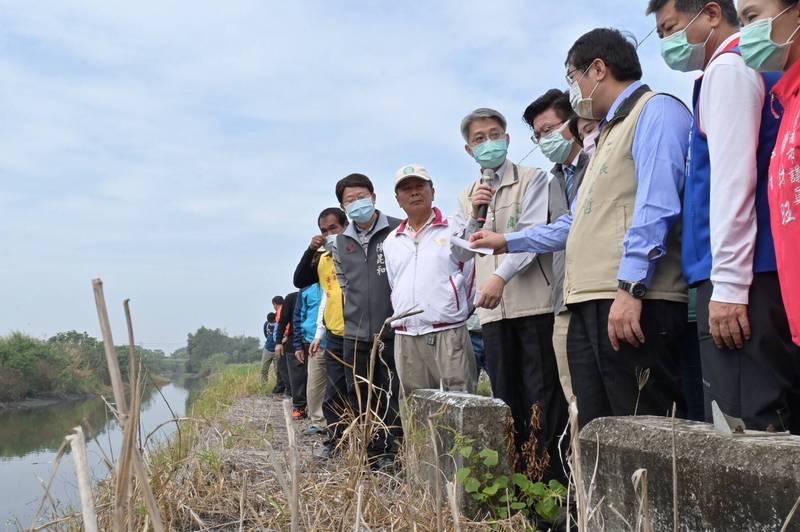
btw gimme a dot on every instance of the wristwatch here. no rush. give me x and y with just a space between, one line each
637 290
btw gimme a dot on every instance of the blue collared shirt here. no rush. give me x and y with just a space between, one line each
659 153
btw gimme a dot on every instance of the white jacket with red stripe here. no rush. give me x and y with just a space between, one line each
424 275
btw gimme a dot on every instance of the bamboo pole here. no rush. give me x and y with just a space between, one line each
108 347
119 398
78 444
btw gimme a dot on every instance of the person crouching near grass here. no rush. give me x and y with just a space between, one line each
433 348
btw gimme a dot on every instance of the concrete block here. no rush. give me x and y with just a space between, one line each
484 419
724 482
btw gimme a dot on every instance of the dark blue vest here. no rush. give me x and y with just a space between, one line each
696 254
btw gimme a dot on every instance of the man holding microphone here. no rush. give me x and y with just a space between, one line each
514 293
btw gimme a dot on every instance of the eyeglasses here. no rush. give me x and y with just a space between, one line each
546 130
357 198
493 135
571 73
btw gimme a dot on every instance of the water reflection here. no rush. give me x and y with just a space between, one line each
29 440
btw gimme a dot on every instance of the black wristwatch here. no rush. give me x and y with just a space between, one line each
637 290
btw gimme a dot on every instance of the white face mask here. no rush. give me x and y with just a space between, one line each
330 240
589 142
582 106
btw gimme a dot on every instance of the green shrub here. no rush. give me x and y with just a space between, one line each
504 495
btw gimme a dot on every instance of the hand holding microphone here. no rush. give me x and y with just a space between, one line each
482 196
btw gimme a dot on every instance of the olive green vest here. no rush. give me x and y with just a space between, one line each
604 213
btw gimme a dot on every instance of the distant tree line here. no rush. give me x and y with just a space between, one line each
208 349
74 363
67 363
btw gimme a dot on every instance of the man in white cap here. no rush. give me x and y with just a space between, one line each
432 349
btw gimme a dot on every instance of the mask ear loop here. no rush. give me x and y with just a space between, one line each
789 40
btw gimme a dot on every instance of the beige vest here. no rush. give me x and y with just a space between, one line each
529 292
604 213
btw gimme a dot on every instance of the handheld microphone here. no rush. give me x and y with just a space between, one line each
487 177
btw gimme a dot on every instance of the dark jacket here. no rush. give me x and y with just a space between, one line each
306 272
269 334
285 323
362 276
558 205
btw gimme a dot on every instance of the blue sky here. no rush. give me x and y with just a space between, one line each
181 150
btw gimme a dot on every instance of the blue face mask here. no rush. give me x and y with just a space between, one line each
360 211
491 154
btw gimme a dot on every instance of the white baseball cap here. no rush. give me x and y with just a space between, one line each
411 170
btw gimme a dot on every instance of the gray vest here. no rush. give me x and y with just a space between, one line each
367 296
558 205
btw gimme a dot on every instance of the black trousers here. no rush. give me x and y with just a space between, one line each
385 394
612 383
522 368
759 383
335 407
692 374
298 375
283 384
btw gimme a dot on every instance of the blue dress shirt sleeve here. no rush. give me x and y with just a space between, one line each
660 145
541 239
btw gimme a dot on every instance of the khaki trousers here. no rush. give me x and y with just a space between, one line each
266 361
315 387
560 329
441 358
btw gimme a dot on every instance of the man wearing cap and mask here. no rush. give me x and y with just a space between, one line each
728 248
514 292
623 281
432 349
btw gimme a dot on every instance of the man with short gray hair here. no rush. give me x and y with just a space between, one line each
514 294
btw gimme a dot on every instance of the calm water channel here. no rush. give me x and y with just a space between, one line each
30 439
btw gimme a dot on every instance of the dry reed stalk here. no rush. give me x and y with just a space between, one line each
294 502
78 444
46 496
108 347
359 499
639 479
116 384
581 499
377 344
437 489
452 498
241 502
785 526
119 398
50 525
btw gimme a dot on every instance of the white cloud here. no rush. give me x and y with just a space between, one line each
181 150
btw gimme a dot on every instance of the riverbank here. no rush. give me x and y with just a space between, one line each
229 468
43 400
53 398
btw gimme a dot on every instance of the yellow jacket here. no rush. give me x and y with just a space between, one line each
334 307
